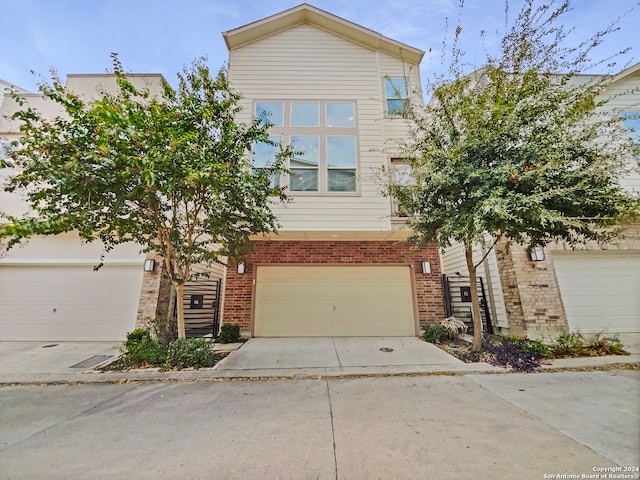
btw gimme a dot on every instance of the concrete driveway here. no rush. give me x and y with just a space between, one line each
341 355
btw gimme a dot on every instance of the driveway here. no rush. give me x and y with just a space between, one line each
341 355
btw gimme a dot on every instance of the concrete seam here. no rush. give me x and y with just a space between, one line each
335 349
333 431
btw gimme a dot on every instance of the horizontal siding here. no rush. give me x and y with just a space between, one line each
306 63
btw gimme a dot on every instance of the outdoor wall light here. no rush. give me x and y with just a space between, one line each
149 265
536 254
426 267
241 268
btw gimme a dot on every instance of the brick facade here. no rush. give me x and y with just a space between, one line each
239 287
531 294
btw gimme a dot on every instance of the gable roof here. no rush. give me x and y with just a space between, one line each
310 15
626 72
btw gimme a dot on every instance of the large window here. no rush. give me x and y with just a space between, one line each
632 124
397 95
323 135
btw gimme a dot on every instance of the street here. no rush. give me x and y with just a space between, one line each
516 426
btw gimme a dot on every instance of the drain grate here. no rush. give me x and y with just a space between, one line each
92 362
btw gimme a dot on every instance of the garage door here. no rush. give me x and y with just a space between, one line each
68 302
600 291
296 301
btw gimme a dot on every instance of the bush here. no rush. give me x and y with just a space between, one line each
189 352
229 333
534 347
434 333
140 348
455 327
574 344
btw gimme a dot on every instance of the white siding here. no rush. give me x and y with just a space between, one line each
308 63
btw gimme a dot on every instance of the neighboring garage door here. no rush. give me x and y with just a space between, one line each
297 301
600 292
68 302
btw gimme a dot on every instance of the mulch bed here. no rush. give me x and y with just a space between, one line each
119 365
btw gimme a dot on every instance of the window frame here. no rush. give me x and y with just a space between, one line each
631 122
405 100
323 131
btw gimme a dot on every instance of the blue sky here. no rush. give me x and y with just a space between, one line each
160 36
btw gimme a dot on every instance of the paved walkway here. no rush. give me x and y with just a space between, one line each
73 362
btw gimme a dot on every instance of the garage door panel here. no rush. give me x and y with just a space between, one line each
68 302
600 291
333 301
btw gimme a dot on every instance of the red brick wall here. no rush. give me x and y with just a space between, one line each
239 288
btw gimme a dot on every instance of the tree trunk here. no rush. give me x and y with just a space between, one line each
180 305
475 301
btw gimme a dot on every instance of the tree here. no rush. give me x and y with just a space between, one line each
171 172
520 149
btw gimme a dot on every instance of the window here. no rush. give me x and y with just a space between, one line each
632 124
271 112
323 135
264 156
401 176
397 95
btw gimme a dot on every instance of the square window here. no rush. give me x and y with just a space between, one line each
272 112
304 114
306 148
340 114
303 180
265 154
341 151
342 180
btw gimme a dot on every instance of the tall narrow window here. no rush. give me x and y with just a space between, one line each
304 164
632 124
265 156
341 163
401 177
397 95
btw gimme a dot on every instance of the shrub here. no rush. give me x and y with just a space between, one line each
434 333
454 326
229 333
568 344
506 352
535 347
189 352
140 348
574 344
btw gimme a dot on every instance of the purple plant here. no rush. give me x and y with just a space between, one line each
507 353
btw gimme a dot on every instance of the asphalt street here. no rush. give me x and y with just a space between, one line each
402 427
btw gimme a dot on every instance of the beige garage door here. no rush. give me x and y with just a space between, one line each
68 302
600 292
297 301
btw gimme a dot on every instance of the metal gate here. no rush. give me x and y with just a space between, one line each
201 302
457 301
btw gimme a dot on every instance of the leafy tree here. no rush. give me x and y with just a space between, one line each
521 149
171 172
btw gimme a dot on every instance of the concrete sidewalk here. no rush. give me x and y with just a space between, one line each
74 362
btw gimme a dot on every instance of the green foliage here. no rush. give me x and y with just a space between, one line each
169 169
229 333
575 344
535 347
435 333
141 349
189 352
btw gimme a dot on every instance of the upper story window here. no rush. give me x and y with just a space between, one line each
632 124
396 95
400 176
324 136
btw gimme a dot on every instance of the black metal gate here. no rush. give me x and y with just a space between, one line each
457 301
201 302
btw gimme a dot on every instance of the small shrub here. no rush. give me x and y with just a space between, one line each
535 347
574 344
508 353
140 348
434 333
454 326
599 345
229 333
189 352
568 344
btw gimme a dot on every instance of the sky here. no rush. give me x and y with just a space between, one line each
161 36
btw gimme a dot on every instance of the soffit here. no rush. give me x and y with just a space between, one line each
310 15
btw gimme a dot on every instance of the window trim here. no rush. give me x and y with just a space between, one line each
387 113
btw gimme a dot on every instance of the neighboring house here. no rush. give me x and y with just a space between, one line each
591 289
338 266
48 289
